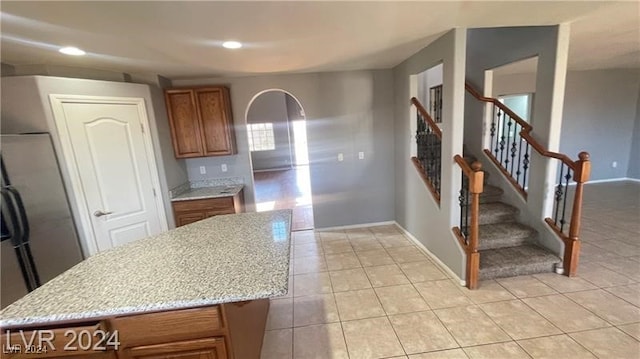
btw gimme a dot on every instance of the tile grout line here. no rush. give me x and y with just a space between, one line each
562 331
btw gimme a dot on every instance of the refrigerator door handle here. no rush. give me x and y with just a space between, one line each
22 213
29 274
14 227
24 242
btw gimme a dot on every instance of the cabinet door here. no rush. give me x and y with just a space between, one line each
208 348
186 218
217 127
184 122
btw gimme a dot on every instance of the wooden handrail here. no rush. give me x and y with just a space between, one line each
543 152
430 122
526 128
476 183
525 125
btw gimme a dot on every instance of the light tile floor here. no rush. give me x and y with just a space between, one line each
370 293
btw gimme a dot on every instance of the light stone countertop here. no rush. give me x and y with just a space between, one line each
221 259
208 192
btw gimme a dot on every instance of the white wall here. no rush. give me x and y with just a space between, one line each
416 210
26 108
346 112
491 48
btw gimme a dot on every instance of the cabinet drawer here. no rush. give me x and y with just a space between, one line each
209 348
165 327
183 219
86 341
207 205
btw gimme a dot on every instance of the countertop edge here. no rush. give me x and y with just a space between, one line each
186 197
126 311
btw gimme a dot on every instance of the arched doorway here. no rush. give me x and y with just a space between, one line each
277 137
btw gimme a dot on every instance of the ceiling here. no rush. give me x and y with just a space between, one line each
182 39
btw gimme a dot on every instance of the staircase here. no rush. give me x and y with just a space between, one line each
507 248
495 243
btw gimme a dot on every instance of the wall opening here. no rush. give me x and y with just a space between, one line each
277 137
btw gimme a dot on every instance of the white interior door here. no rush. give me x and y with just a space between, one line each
112 162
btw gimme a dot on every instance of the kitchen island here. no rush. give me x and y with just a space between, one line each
198 291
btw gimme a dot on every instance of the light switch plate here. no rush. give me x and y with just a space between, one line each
224 167
361 155
340 157
203 170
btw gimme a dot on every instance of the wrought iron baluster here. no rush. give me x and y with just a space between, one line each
567 177
461 202
525 166
559 192
518 172
513 147
466 215
437 163
498 115
505 155
492 130
502 142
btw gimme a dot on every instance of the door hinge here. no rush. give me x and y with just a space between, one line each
142 128
154 192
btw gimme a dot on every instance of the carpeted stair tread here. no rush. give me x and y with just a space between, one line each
515 261
502 235
490 193
497 212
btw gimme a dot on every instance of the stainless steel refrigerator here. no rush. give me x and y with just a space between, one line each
39 239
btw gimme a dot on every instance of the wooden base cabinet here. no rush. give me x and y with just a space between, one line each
226 331
190 211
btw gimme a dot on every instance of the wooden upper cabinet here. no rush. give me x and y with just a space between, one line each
201 121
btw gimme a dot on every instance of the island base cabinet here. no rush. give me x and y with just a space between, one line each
208 348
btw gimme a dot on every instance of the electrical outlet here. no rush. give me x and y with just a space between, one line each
340 157
203 170
361 155
224 167
614 164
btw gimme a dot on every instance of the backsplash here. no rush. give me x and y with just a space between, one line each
210 182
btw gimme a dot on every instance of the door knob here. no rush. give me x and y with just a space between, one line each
100 213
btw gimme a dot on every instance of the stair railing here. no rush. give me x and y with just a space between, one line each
510 144
468 230
428 160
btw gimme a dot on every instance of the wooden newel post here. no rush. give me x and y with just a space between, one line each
476 183
572 246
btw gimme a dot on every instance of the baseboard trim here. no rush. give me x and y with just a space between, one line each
277 169
432 256
620 179
352 226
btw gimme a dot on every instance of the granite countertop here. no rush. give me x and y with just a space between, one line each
222 259
209 192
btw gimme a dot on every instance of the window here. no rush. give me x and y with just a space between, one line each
435 98
261 137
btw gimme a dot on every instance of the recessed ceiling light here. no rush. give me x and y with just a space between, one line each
231 44
70 50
